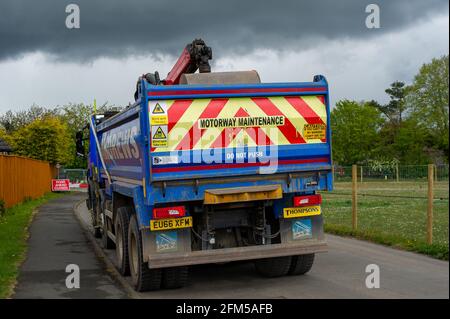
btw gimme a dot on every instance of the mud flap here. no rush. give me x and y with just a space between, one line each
166 242
296 229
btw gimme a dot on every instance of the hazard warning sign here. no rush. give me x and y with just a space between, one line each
158 109
314 131
158 113
159 136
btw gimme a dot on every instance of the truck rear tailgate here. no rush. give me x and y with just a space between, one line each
238 131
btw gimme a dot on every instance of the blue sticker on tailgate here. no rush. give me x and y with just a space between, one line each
166 241
302 229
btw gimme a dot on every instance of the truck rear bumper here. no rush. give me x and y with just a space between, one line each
238 253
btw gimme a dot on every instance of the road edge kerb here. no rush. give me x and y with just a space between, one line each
109 266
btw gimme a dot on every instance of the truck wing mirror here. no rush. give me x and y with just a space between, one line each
79 144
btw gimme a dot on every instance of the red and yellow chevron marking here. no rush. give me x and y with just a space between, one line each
231 122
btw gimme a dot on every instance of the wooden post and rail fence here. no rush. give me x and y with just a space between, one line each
23 178
431 177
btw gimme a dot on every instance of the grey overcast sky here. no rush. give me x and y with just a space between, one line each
44 63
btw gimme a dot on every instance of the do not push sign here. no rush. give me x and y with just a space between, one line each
60 185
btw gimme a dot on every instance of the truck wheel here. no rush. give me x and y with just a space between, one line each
107 243
273 267
175 277
142 277
301 264
94 211
97 232
121 231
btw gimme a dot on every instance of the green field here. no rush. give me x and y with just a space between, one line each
13 235
391 213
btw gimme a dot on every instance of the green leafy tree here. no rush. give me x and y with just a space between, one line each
355 128
76 116
428 99
411 142
406 143
11 121
73 116
396 108
45 139
5 136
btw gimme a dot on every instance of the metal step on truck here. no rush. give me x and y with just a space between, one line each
210 168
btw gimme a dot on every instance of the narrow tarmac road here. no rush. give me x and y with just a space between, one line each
339 273
57 240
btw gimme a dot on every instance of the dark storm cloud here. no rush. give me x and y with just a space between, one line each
116 27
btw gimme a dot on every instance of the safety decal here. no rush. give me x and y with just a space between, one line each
158 109
263 121
314 131
158 113
166 241
164 160
196 124
302 229
159 136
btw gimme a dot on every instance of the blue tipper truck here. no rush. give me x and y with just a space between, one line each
210 168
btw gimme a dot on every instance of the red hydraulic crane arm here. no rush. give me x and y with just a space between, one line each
195 55
179 68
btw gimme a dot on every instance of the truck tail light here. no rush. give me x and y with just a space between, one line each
308 200
169 212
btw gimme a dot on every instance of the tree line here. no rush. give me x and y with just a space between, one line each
48 133
412 128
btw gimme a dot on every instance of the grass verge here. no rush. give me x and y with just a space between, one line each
392 214
436 250
13 236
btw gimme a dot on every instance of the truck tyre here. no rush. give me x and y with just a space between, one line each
301 264
175 277
94 211
107 243
143 278
97 232
273 267
121 231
